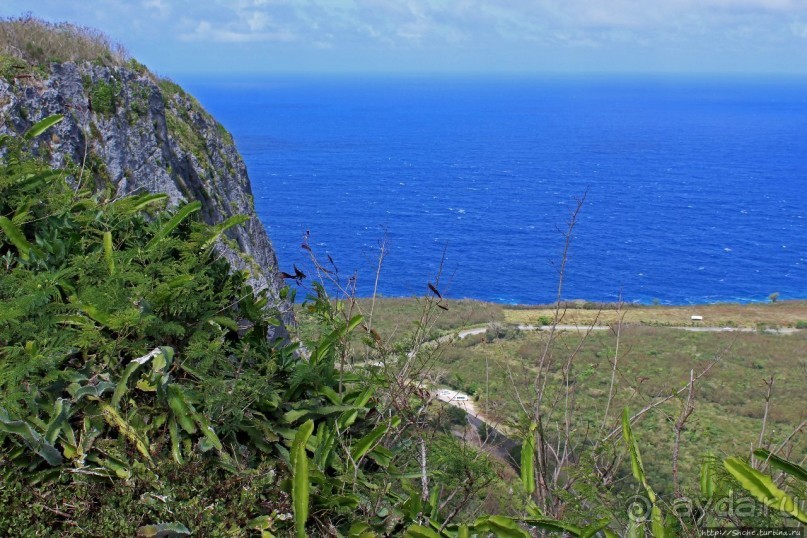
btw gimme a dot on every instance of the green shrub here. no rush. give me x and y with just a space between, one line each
207 500
103 96
456 415
138 386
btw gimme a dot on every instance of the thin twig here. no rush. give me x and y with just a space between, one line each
769 383
620 321
686 411
655 404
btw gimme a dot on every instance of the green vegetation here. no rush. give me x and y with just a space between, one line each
781 313
103 96
654 361
30 43
188 138
398 319
136 376
181 123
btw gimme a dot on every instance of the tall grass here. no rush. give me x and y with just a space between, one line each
39 42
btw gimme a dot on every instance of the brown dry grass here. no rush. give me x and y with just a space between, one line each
781 314
39 42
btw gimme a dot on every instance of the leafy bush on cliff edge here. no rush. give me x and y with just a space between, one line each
138 388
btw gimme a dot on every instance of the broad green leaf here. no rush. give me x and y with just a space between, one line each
418 531
61 411
708 482
108 253
361 530
361 399
179 281
32 438
381 455
331 395
42 125
336 501
175 221
93 391
326 441
528 460
76 321
296 414
134 204
207 429
434 502
162 360
17 238
224 321
260 523
502 527
552 525
762 487
412 506
348 418
657 523
363 445
532 509
113 418
180 409
635 529
96 314
219 229
120 468
173 430
635 456
354 322
300 490
594 528
793 469
133 365
35 179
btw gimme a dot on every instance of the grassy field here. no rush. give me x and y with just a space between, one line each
653 362
779 314
395 319
499 367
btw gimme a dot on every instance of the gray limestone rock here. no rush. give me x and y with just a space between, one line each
139 133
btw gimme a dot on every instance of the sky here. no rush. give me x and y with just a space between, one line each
446 36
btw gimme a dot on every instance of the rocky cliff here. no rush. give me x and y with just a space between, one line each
138 133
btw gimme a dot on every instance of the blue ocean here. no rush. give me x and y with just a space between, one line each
695 189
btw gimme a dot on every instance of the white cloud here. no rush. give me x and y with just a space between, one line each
799 29
257 21
205 31
162 8
433 30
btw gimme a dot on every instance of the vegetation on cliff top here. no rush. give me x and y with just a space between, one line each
35 43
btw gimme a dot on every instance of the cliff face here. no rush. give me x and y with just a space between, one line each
137 133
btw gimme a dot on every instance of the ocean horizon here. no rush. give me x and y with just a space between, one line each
696 187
